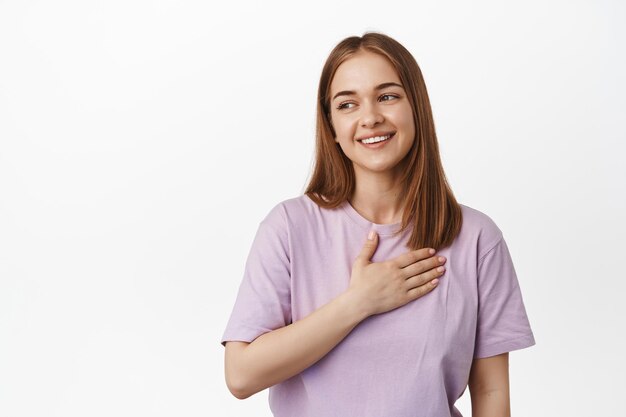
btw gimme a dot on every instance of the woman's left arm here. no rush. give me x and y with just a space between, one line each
489 386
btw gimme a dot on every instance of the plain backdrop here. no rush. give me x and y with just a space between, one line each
142 142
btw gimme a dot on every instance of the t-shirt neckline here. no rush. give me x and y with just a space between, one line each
381 229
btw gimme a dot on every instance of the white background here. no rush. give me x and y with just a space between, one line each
141 143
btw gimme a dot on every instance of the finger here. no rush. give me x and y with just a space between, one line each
423 266
369 247
417 292
413 256
425 278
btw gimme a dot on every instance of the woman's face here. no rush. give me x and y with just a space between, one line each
366 100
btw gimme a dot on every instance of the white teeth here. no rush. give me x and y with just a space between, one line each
375 139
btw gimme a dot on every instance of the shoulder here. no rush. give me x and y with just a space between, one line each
291 211
480 229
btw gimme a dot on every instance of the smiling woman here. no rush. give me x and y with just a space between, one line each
372 104
335 323
372 86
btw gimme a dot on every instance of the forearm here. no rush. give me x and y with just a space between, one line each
280 354
494 403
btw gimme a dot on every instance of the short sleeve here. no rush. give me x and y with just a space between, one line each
503 325
263 302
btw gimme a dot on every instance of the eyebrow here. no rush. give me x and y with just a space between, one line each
378 87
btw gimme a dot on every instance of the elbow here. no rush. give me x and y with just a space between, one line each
241 387
236 385
237 380
237 388
241 396
242 391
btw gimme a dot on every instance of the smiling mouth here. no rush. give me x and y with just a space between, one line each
376 139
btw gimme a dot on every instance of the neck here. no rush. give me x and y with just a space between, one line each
376 197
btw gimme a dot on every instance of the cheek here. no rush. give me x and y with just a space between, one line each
405 119
344 129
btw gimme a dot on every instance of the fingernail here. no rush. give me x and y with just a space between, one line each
431 251
371 235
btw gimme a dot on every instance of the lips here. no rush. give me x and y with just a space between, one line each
375 134
377 145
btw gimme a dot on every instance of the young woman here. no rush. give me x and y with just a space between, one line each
346 307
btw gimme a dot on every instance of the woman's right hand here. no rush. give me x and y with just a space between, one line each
383 286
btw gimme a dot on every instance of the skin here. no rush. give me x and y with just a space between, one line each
368 110
363 113
489 386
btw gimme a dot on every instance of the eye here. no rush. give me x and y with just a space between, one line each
389 95
343 106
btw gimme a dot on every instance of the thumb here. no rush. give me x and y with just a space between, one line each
369 248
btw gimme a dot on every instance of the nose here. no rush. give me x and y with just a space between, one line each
371 116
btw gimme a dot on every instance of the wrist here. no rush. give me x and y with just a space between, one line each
354 306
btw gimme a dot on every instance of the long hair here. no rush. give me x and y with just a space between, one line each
429 204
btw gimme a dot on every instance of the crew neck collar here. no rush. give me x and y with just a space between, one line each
381 229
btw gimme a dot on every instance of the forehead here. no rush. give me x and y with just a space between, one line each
363 71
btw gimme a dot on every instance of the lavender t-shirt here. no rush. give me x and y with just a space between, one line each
413 361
